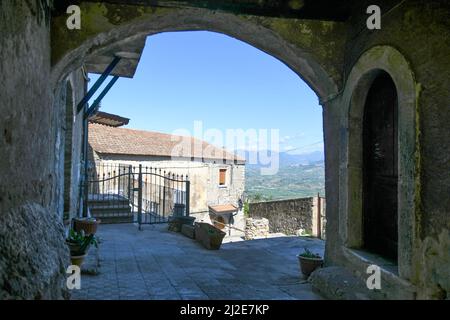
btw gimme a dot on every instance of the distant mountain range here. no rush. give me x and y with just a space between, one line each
285 158
298 176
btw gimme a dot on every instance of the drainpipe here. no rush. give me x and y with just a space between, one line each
83 189
83 105
86 165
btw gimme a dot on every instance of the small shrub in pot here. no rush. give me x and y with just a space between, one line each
309 262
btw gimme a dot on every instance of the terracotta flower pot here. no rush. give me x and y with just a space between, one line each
73 247
308 265
176 223
77 260
208 235
89 226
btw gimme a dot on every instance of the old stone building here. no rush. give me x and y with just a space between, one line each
217 177
387 173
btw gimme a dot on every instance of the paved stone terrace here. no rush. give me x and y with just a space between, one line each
158 264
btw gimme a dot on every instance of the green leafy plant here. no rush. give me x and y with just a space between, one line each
79 243
309 254
246 208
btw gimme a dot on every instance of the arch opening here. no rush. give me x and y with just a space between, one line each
377 63
380 168
300 60
244 116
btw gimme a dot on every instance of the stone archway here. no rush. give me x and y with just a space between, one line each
373 62
306 52
380 168
72 53
312 66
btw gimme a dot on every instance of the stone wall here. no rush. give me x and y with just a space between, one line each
419 30
256 228
33 254
31 184
69 142
291 217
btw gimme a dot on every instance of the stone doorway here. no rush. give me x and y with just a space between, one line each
380 168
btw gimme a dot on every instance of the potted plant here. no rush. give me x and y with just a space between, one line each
309 261
88 225
79 244
208 235
178 219
176 223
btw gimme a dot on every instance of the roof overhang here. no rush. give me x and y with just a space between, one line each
130 52
223 209
108 119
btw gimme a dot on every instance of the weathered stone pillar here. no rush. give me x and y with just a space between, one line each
33 254
332 140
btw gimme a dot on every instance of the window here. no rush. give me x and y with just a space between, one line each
222 177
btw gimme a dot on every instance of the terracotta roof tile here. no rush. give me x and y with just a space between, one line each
108 119
110 140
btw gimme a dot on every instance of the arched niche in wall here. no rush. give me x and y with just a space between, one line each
379 61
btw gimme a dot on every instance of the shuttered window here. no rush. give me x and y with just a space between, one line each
222 177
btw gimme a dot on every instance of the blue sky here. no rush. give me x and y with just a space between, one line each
225 83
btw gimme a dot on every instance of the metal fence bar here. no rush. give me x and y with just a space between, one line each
187 196
140 197
144 195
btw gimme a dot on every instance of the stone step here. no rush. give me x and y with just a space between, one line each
110 207
338 283
102 199
113 216
105 204
117 219
112 213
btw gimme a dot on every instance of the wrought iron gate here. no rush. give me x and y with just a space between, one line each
143 195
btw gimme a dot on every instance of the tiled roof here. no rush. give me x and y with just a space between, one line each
108 119
108 140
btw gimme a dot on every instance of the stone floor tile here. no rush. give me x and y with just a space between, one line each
162 265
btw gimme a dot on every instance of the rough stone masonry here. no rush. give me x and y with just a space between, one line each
334 53
256 228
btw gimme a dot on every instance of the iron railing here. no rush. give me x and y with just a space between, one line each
145 195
